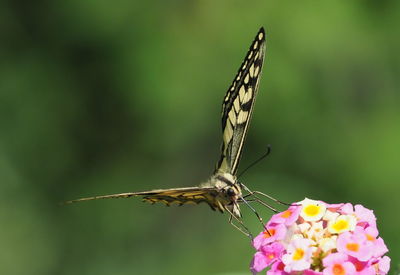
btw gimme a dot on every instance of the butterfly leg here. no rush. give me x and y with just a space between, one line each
272 198
254 211
242 228
254 198
254 193
258 216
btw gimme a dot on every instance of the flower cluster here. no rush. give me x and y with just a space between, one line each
313 237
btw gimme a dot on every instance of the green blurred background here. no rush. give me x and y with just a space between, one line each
103 97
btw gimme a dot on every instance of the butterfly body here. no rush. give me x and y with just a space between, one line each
227 193
222 191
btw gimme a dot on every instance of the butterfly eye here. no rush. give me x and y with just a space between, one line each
230 192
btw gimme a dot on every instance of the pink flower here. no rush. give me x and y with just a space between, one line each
334 258
287 217
338 264
334 207
380 248
384 265
316 238
347 209
275 232
362 268
259 262
277 268
267 255
298 255
354 244
365 216
371 233
370 270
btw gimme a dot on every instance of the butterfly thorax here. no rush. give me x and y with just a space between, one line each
226 194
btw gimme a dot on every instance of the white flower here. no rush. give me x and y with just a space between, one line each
316 231
304 227
342 224
330 216
327 244
298 255
312 210
297 236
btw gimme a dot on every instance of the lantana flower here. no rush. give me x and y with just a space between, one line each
338 263
315 238
274 232
298 256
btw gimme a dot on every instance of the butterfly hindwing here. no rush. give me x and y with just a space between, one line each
238 105
181 195
178 196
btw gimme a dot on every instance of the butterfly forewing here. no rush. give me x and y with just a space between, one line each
237 106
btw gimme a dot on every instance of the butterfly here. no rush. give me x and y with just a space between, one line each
222 191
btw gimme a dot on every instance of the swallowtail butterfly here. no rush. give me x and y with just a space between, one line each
222 191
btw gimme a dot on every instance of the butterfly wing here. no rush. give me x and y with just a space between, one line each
238 105
180 196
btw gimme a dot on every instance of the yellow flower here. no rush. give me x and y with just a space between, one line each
312 210
342 223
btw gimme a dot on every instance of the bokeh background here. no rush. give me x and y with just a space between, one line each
101 97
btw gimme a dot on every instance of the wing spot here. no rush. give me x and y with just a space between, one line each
236 105
241 93
228 132
232 117
255 45
246 79
250 55
242 117
257 70
226 97
251 70
248 96
244 65
260 36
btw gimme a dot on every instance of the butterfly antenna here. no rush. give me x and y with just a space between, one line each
257 160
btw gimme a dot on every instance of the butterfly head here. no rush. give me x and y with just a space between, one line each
229 192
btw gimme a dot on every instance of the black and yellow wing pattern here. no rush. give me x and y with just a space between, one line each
222 191
238 104
179 196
